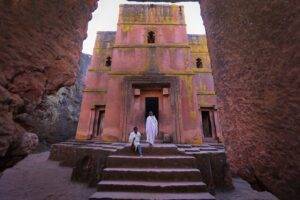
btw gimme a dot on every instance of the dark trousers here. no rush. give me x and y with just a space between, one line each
139 149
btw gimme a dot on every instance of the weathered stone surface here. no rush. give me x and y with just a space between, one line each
39 53
18 150
89 169
254 49
215 170
211 160
55 119
88 159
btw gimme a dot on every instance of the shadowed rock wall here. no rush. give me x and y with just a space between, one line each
39 53
55 119
253 47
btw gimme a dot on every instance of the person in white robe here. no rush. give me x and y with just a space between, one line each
135 140
151 128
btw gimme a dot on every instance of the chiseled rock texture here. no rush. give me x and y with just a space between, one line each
39 53
55 119
88 159
254 46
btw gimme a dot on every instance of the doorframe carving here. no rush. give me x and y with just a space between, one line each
158 80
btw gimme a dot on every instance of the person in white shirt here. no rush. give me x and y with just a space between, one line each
135 140
151 128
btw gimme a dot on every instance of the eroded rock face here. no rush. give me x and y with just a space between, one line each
23 145
39 53
253 46
55 118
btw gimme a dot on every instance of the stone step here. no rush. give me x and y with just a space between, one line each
210 140
152 174
156 149
105 146
157 141
184 146
158 196
148 186
172 161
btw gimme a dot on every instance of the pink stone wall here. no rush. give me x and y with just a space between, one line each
96 83
166 64
137 34
114 111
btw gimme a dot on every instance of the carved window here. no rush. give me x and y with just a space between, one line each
151 37
199 63
180 10
108 61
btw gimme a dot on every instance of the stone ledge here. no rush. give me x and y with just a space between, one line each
212 162
128 46
87 158
174 73
101 69
206 93
95 90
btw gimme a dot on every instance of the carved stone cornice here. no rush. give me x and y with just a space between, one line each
128 46
206 93
101 69
96 90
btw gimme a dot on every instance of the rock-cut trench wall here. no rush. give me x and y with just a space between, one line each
40 45
55 119
254 48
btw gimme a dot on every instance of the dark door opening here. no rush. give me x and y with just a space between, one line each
151 104
98 121
206 123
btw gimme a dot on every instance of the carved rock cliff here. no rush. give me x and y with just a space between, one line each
39 53
253 47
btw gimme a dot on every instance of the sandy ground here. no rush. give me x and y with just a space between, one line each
243 191
37 178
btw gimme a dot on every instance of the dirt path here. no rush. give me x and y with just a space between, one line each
243 191
37 178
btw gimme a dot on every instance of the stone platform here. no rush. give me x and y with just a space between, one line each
166 171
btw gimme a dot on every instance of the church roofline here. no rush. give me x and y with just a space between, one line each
150 5
196 35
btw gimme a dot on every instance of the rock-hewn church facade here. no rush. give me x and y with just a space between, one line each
150 64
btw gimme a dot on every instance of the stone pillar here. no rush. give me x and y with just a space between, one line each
112 131
85 126
190 121
217 126
92 122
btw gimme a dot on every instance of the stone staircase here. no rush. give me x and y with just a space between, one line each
162 173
